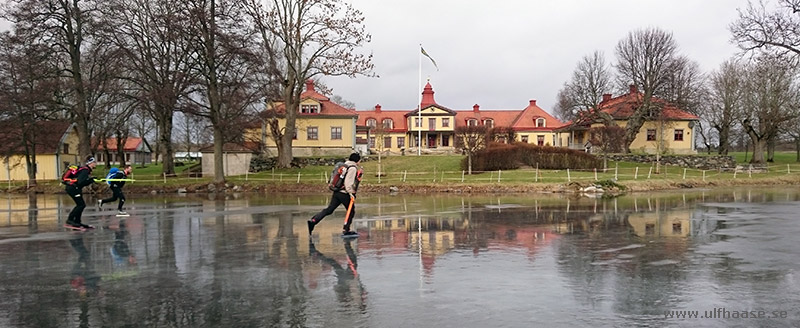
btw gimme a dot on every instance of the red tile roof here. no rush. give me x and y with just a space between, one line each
520 120
622 107
398 118
131 144
327 107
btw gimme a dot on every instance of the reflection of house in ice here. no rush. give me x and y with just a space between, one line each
661 223
432 237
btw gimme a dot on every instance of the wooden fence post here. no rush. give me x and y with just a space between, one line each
636 173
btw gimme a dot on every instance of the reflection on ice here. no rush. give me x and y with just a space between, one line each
493 260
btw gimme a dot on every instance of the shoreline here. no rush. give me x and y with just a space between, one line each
572 187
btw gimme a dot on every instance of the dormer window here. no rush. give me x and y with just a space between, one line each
309 109
472 122
388 123
488 123
540 122
371 122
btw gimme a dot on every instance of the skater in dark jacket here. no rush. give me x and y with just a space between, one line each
76 179
116 188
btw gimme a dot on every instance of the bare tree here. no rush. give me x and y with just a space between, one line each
775 31
771 93
590 81
67 25
227 67
685 85
724 106
154 40
608 139
143 125
311 38
645 58
28 82
565 109
471 139
192 131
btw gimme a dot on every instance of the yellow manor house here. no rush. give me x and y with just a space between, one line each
326 128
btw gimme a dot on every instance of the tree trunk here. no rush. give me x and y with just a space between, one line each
771 150
219 169
724 136
165 145
121 150
469 163
797 147
758 151
30 160
632 129
84 140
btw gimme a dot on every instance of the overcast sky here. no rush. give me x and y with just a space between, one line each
499 54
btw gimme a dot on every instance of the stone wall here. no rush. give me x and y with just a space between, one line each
688 161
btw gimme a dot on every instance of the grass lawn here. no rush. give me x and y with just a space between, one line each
446 170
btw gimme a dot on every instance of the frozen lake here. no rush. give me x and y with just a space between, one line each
538 260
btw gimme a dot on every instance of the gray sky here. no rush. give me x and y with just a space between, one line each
499 54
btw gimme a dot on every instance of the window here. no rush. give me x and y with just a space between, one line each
371 142
416 141
371 122
309 109
66 149
128 157
431 124
489 123
417 122
336 133
524 138
401 142
388 124
472 122
540 140
678 134
312 132
387 142
676 228
651 134
445 141
540 122
446 122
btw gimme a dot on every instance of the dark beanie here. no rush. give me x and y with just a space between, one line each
355 157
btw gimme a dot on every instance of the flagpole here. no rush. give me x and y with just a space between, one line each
419 104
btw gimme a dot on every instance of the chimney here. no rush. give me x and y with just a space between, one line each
606 97
475 108
378 108
309 85
633 88
532 102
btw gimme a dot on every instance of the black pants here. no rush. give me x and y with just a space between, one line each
117 195
75 214
338 198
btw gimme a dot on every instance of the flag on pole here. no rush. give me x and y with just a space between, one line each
429 57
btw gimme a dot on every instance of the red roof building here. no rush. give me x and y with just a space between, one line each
134 149
670 132
399 130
